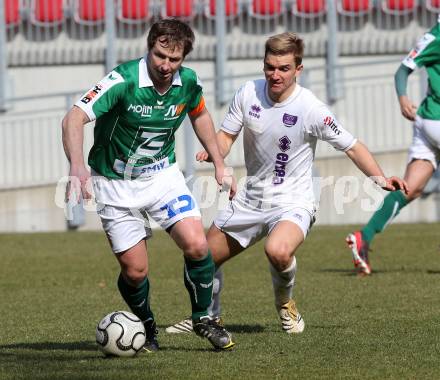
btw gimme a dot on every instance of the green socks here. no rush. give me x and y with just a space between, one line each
198 277
391 207
136 297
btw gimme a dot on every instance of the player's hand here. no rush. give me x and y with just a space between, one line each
226 180
203 156
393 184
407 108
79 184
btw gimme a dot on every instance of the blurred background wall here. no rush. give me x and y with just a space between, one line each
51 51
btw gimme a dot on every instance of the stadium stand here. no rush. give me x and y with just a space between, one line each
231 8
89 12
184 9
133 11
47 12
354 7
264 8
398 7
12 12
308 8
58 44
247 21
433 6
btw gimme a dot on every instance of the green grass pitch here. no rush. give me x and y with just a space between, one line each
54 288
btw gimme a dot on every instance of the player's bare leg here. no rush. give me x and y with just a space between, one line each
223 247
280 248
134 263
417 175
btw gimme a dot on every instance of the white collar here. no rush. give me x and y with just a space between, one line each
144 77
292 96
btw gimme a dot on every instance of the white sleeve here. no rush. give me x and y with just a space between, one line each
100 98
233 121
321 123
410 60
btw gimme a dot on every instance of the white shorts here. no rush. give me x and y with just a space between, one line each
248 225
163 196
426 141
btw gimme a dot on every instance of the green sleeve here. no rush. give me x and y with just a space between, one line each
401 79
195 98
429 55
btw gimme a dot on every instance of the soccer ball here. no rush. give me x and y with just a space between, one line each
120 333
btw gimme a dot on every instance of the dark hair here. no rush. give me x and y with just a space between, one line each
172 33
285 43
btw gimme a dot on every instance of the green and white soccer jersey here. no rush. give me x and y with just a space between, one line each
135 125
427 54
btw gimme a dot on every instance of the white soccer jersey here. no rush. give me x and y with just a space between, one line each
279 142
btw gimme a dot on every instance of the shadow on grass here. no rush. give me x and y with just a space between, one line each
245 329
44 346
354 273
326 327
236 328
433 271
45 350
347 272
50 352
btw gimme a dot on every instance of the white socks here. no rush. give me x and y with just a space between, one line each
283 283
214 309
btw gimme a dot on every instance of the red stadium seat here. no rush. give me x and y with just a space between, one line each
12 12
231 8
134 11
265 8
90 12
354 7
179 8
309 8
398 7
47 12
433 6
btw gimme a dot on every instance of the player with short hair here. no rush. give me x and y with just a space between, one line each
281 123
138 108
424 152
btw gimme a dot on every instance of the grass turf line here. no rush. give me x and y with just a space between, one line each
55 287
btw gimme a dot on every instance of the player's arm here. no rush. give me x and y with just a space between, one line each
364 160
224 142
407 107
204 128
230 128
73 140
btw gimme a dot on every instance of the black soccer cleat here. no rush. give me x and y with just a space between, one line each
219 337
151 343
